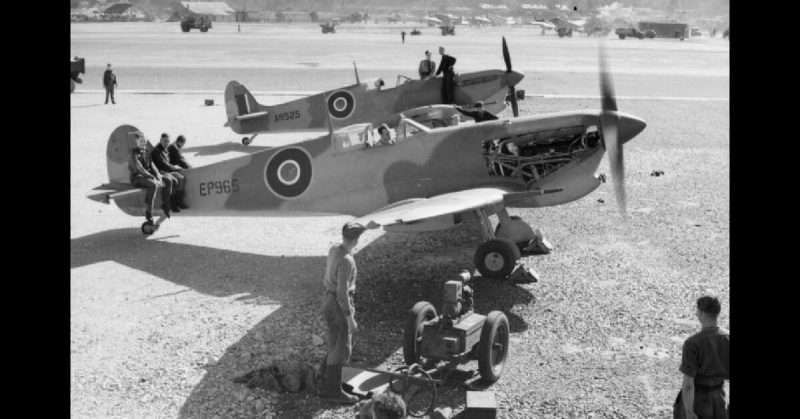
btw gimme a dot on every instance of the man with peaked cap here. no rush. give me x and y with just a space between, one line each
109 82
705 364
339 312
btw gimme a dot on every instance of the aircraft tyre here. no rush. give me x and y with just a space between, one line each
246 140
493 347
149 228
496 258
412 335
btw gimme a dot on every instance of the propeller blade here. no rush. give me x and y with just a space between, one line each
514 108
506 56
609 125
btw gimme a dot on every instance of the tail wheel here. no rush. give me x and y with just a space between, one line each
493 348
246 140
496 258
422 312
149 228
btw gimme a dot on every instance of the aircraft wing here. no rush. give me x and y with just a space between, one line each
418 209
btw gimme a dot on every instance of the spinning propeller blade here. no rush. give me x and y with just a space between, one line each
609 126
511 90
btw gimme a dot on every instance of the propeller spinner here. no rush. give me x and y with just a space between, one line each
609 126
511 90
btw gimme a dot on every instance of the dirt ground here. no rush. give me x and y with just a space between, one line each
162 324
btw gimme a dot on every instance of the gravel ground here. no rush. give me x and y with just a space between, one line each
162 325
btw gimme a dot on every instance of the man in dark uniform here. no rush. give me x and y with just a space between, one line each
145 174
403 36
479 114
109 82
448 77
175 155
705 363
339 312
161 159
427 67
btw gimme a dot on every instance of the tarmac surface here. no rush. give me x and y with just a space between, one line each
162 324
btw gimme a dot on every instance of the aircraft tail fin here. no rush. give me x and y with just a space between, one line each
240 105
118 152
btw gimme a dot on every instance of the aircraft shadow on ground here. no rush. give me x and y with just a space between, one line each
211 150
394 272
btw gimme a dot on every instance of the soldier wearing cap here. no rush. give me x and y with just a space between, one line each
479 114
339 312
109 82
705 364
448 77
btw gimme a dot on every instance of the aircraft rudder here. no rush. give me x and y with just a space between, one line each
239 101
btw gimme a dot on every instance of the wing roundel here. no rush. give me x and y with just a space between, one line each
288 172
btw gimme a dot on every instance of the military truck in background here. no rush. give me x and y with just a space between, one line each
328 27
76 67
623 33
190 22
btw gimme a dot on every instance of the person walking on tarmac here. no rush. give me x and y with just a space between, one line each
109 82
448 77
161 159
403 36
427 67
705 364
145 174
339 312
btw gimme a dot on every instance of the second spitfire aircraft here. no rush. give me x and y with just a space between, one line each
368 101
429 179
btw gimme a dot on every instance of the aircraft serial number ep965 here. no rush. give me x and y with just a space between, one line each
219 187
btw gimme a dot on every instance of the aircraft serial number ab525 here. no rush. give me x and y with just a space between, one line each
429 179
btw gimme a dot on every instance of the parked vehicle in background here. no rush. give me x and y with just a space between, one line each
190 22
623 33
76 67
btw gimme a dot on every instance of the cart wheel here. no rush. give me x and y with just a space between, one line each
496 258
493 348
149 228
412 336
246 140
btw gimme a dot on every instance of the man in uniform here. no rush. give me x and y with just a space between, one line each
479 114
161 160
145 174
427 67
705 363
448 77
339 312
175 155
109 82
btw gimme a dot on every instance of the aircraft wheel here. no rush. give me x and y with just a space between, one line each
496 258
493 348
149 228
246 140
412 335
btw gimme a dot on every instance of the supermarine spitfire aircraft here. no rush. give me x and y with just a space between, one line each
366 101
429 179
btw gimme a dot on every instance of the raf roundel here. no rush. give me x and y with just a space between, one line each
341 104
288 172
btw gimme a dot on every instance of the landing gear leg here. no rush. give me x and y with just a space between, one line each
495 257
